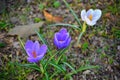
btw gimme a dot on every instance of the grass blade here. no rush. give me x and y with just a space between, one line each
69 25
79 37
70 67
47 76
82 68
86 67
61 54
33 66
57 66
21 43
53 75
73 13
42 39
52 56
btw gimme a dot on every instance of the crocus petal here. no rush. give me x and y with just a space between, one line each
62 37
89 12
35 60
65 43
83 14
29 52
28 47
68 41
58 36
89 22
97 14
63 30
42 50
56 40
36 47
32 60
66 36
29 44
61 45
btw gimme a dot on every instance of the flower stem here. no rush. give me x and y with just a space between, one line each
79 37
83 30
84 27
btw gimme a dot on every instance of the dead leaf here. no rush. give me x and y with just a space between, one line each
107 15
25 30
51 18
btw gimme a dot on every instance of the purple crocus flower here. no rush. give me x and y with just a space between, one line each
34 51
62 39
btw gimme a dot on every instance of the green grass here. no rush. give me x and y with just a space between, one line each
11 71
116 32
56 4
2 44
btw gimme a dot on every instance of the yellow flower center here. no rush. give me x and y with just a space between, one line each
34 54
90 17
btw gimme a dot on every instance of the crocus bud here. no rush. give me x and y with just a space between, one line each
62 39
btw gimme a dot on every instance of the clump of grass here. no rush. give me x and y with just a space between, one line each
56 4
11 71
2 44
36 20
3 25
41 7
116 32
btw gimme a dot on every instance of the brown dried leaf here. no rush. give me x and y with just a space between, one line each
25 30
107 15
51 18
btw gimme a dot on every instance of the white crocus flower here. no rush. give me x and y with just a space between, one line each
91 16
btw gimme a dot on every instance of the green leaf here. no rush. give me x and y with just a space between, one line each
51 57
86 68
79 37
21 43
53 75
70 67
33 66
61 52
57 67
82 68
47 76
